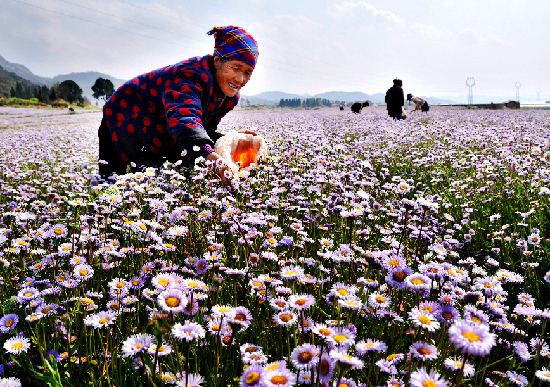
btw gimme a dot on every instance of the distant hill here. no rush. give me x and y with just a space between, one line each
9 79
23 72
85 80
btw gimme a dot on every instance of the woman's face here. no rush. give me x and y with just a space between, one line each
232 75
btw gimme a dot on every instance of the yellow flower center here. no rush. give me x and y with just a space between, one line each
9 323
305 357
278 379
252 378
391 357
417 281
339 338
172 302
163 282
380 299
17 346
103 320
471 336
83 272
285 317
425 320
429 383
324 367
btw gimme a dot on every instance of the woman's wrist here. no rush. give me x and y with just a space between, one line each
205 150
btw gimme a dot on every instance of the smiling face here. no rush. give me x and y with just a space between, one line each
232 75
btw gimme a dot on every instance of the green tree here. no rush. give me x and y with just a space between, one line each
70 91
19 92
12 92
44 90
103 88
53 94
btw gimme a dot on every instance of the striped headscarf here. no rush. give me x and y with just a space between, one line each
235 43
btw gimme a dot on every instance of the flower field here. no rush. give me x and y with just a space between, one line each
362 252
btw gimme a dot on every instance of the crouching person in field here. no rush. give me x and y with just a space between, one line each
358 106
172 113
420 103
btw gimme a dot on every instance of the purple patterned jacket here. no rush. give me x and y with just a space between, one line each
160 114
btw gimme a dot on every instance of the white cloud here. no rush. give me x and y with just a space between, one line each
288 26
351 11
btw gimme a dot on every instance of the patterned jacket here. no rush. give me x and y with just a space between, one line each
160 114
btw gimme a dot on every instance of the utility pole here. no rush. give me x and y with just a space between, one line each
518 85
470 82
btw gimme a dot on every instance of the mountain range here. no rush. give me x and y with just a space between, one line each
83 79
10 73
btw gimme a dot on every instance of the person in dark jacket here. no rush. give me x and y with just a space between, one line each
172 113
395 100
358 106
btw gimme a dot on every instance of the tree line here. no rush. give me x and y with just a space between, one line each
308 102
67 90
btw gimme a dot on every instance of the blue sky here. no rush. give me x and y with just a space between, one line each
305 46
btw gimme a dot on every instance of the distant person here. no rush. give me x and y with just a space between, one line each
71 109
342 107
421 103
395 100
172 113
358 106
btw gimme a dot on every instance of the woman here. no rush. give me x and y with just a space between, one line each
421 103
172 113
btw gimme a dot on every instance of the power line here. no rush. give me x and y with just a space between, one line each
101 24
132 21
268 46
336 78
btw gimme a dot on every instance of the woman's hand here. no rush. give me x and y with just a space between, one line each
248 132
221 168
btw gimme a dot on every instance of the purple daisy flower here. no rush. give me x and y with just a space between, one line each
304 356
253 376
517 378
8 322
422 378
423 351
279 378
301 301
472 339
456 364
172 300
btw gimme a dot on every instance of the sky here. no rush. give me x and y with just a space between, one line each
305 46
